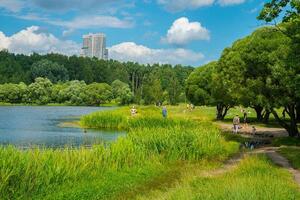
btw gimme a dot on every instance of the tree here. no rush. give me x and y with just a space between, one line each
13 93
98 93
289 65
39 92
152 90
48 69
206 87
74 93
121 92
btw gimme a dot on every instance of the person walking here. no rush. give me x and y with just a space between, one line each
236 122
164 112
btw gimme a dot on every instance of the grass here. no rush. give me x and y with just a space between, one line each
286 141
253 178
157 154
292 154
150 147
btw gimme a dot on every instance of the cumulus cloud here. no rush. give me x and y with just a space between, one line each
12 5
181 5
32 39
130 51
182 32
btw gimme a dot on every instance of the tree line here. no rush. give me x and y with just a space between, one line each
148 84
261 71
42 91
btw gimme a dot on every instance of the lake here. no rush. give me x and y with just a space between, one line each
31 126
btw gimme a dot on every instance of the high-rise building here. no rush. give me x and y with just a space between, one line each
94 45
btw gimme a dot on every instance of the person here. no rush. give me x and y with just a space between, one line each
253 130
164 112
236 122
188 107
245 116
133 111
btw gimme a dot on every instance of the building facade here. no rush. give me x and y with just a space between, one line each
94 45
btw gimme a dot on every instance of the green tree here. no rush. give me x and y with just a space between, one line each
39 92
48 69
152 90
121 92
98 93
206 86
74 93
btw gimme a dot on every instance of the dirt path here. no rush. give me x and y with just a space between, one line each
279 160
260 131
229 165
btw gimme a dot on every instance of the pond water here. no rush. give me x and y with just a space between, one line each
31 126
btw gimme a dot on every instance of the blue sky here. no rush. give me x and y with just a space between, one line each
189 32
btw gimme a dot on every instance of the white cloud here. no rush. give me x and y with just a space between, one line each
84 22
182 32
32 39
130 51
180 5
11 5
230 2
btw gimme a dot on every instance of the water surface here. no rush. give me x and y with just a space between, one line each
28 126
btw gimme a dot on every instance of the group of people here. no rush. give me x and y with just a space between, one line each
236 123
133 111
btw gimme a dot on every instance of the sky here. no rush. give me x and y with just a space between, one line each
187 32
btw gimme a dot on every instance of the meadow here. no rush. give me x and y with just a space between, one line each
158 158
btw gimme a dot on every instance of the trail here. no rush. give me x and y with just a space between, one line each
245 131
279 160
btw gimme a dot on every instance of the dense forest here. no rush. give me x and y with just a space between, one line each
147 84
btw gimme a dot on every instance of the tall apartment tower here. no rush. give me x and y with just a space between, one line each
94 45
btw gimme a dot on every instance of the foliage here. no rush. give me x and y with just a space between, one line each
48 69
57 68
39 91
121 92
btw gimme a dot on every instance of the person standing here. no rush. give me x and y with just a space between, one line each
164 112
245 116
236 122
133 111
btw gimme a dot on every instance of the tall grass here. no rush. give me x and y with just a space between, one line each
150 139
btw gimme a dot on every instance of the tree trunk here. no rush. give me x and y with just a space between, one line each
132 82
298 113
222 111
258 110
291 127
266 116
